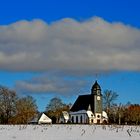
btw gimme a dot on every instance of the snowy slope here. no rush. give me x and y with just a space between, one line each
69 132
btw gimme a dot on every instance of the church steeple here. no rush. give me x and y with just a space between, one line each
96 99
96 89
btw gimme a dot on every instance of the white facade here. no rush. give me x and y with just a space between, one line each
44 119
79 117
87 117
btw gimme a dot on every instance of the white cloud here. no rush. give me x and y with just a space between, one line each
69 46
50 84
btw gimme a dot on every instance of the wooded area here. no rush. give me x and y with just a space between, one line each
15 110
119 113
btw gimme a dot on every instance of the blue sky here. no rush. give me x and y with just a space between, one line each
126 11
59 48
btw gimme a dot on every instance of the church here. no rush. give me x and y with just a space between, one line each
88 109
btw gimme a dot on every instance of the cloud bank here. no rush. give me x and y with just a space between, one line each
69 46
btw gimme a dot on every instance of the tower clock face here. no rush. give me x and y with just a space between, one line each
98 98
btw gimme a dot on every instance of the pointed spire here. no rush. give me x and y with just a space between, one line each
95 87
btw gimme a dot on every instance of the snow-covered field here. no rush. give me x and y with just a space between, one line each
69 132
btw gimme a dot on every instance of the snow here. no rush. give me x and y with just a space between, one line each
69 132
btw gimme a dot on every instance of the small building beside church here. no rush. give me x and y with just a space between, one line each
88 109
41 119
44 119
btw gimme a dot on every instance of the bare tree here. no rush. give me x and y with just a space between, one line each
109 97
7 104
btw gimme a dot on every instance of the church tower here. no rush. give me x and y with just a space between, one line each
97 102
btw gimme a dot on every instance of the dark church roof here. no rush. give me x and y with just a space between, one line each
82 103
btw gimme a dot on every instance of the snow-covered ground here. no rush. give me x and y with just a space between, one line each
69 132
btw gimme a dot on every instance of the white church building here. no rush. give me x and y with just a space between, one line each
88 109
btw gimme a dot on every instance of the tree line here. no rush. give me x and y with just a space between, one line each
15 110
21 110
120 113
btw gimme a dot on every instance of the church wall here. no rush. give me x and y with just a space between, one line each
98 118
79 118
87 118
